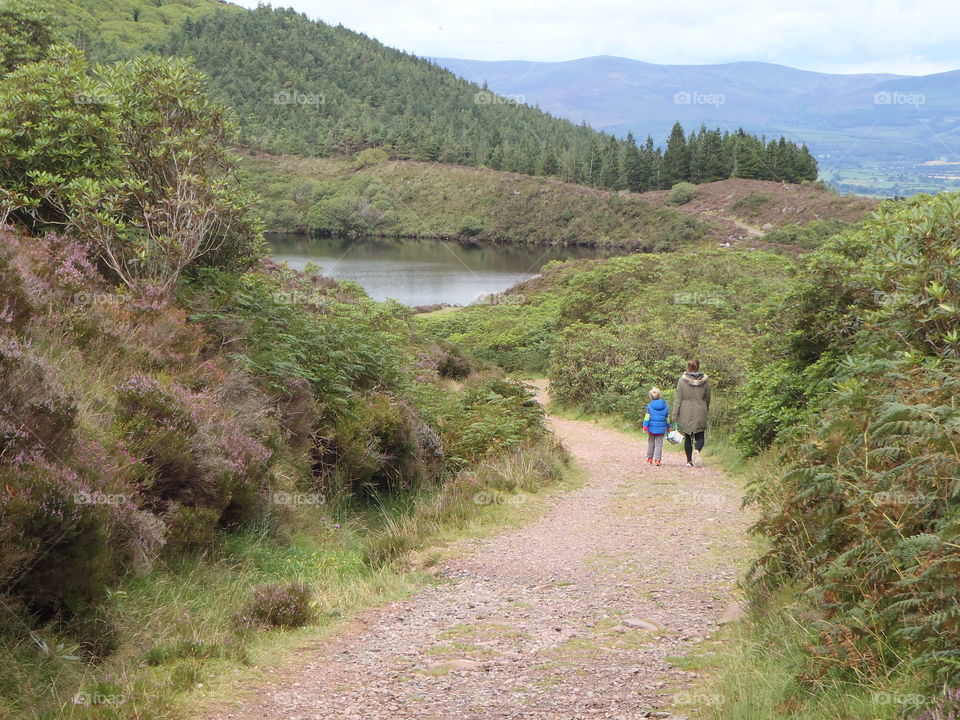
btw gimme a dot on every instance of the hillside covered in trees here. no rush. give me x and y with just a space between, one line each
303 87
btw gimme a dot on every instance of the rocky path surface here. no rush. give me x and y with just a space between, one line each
575 615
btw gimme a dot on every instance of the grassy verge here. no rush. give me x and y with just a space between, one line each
176 639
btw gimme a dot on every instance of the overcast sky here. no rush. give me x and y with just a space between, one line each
911 37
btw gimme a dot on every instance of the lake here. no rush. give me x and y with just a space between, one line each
423 272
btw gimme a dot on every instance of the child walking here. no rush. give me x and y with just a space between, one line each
656 426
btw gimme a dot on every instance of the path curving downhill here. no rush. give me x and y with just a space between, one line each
571 616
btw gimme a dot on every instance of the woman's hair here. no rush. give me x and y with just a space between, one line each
655 393
693 365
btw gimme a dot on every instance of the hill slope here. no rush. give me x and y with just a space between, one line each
303 87
847 120
110 29
404 198
417 199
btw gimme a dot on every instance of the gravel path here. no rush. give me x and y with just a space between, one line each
572 616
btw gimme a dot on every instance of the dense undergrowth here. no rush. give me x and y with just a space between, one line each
605 331
864 522
139 436
197 445
848 444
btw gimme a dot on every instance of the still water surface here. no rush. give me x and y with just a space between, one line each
422 272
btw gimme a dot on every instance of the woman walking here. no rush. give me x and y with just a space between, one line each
690 410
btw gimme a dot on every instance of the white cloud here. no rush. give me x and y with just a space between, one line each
900 36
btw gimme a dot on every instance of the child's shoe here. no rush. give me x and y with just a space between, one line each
649 460
658 463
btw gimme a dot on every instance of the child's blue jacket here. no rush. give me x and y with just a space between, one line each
655 422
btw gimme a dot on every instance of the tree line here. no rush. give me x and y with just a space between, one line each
303 87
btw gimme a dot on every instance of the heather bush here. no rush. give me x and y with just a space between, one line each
37 417
452 364
62 528
446 361
16 306
945 708
277 606
192 454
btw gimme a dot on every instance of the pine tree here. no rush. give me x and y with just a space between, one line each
547 162
632 175
676 158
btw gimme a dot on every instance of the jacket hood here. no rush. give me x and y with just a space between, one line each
658 404
694 379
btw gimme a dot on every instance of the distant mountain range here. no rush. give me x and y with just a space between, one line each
847 120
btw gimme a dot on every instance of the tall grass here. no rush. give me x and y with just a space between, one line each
757 675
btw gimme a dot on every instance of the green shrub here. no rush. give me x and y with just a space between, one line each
384 447
752 204
370 156
131 156
495 415
682 193
347 215
809 236
470 226
808 330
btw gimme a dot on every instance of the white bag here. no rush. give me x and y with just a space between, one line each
675 437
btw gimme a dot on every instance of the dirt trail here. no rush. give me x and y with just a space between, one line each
546 621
